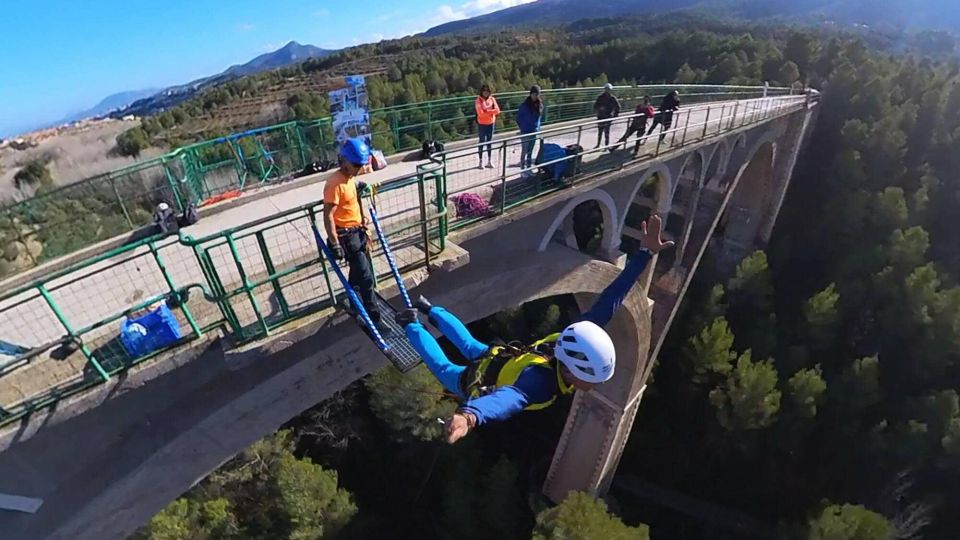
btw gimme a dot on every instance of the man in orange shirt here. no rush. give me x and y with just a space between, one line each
346 224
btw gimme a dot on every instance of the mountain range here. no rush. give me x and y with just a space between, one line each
290 54
895 14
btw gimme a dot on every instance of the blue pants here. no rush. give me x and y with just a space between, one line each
442 368
486 135
527 144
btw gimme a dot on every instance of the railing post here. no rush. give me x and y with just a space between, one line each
429 122
123 207
173 289
706 123
66 326
441 191
579 134
424 227
723 109
733 119
245 283
271 270
215 289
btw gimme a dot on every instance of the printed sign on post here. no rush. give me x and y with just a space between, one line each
348 107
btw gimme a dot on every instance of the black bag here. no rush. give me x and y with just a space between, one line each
429 148
190 215
426 149
575 163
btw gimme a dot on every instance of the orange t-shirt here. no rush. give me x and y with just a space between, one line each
487 110
341 192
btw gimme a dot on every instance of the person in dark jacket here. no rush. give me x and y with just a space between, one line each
502 381
529 116
643 113
607 106
670 103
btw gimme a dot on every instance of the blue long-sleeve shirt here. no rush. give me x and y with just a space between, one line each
537 384
529 117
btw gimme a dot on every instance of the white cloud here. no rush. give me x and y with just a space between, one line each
270 47
378 37
245 27
321 13
447 13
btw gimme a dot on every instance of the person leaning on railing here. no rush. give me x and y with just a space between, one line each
529 117
346 224
670 103
643 112
487 112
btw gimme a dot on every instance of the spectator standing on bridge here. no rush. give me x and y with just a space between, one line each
529 117
487 112
670 103
346 223
501 381
606 106
642 113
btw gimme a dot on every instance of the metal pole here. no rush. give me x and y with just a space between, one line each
389 255
706 124
173 289
246 284
271 270
66 326
424 227
123 207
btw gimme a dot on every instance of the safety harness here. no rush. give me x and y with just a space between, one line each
503 364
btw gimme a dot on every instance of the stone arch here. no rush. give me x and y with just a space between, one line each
562 228
650 195
744 214
682 205
717 164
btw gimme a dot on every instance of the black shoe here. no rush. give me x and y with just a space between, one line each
406 316
423 305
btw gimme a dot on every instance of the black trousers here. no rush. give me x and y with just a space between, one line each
354 242
636 127
664 119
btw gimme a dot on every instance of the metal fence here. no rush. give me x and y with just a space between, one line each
246 281
476 192
250 280
64 220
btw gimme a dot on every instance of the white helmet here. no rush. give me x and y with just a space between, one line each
587 351
608 86
163 207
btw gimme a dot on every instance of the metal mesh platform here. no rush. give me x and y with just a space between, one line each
401 353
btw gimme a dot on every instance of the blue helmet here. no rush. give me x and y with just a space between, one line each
355 151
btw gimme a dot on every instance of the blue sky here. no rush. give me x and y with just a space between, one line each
62 56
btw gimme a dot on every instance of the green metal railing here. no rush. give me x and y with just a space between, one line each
248 281
64 220
245 282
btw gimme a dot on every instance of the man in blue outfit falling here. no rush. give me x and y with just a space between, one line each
501 381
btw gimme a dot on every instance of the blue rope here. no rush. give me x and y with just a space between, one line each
389 254
361 309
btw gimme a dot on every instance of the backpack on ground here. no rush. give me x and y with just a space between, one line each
470 205
190 215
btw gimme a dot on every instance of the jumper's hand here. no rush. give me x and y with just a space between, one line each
651 235
459 426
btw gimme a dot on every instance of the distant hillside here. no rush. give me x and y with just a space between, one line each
290 54
111 103
908 14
